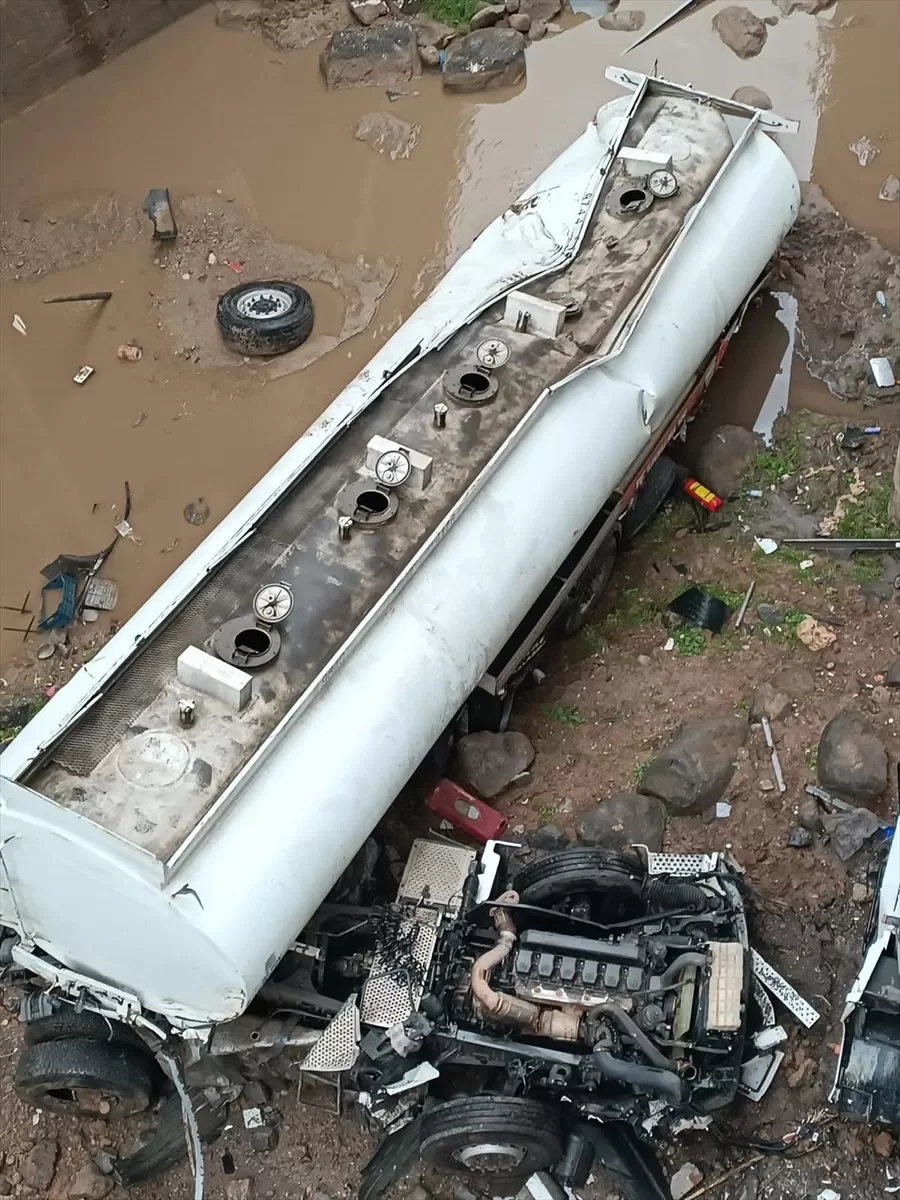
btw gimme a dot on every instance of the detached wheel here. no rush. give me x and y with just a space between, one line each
265 318
85 1078
491 1135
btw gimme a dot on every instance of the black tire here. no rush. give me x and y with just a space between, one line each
531 1131
242 316
650 497
77 1077
615 879
66 1023
166 1146
588 592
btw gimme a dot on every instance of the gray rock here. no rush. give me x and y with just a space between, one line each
89 1184
487 16
38 1167
489 762
692 773
786 7
852 759
387 134
537 29
724 455
626 20
377 56
263 1139
512 6
239 14
795 681
753 96
879 591
430 57
367 11
625 819
749 1189
540 10
799 838
771 614
849 831
768 702
520 21
432 33
490 58
892 675
548 837
810 815
418 1193
740 30
6 1187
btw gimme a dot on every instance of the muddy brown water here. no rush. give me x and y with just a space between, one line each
221 116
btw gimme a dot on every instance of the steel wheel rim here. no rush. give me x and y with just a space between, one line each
263 303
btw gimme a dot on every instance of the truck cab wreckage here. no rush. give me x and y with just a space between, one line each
188 876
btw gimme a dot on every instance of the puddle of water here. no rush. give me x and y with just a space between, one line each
178 110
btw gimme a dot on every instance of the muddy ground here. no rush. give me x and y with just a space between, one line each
297 195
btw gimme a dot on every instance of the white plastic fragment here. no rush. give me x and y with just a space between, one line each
670 644
828 1194
882 371
864 151
253 1118
767 545
807 563
890 189
723 808
19 325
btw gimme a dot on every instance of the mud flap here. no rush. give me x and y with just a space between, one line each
394 1158
620 1151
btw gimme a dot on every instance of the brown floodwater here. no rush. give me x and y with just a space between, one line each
222 116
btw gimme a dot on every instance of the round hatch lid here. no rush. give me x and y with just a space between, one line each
393 468
662 184
273 603
492 353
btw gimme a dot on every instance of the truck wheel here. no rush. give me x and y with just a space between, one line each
167 1144
265 317
616 880
650 496
66 1023
85 1078
588 592
491 1135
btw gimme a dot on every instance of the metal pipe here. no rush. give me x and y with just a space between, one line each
618 1015
693 958
258 1033
653 1079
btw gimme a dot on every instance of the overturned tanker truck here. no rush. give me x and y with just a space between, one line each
189 881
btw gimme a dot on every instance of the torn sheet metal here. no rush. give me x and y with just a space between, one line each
782 990
757 1074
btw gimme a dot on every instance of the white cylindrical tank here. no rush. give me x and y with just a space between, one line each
198 946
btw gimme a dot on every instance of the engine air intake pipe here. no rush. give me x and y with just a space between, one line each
620 1017
663 894
652 1079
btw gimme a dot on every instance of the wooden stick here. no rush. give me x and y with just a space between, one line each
80 296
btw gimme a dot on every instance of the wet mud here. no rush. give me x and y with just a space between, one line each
266 174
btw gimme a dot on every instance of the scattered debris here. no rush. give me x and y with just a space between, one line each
387 134
89 1184
742 611
172 546
767 545
701 609
849 831
129 352
82 375
158 208
799 838
768 703
890 189
684 1180
814 634
19 325
864 150
78 297
139 419
680 10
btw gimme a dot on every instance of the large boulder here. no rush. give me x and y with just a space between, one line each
625 20
852 759
625 819
693 772
489 762
540 10
724 455
489 15
377 56
490 58
741 30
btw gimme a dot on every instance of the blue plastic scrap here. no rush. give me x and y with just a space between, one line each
65 610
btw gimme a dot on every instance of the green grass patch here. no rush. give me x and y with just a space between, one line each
785 630
689 640
640 770
546 814
632 609
594 639
774 463
565 714
866 568
451 12
733 599
866 516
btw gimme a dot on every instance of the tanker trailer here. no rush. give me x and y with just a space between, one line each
174 819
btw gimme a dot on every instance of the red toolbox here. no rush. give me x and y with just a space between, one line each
465 812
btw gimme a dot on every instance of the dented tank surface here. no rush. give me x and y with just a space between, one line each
653 214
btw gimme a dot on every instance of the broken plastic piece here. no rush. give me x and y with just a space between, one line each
19 325
864 150
82 375
701 609
757 1074
767 545
882 372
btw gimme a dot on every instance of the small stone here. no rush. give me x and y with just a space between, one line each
430 56
644 660
38 1167
240 1189
753 96
89 1184
418 1193
263 1139
512 6
881 695
628 20
809 815
520 21
367 11
799 838
489 762
883 1144
859 893
768 702
766 785
684 1180
890 189
211 259
537 30
770 614
548 837
186 275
